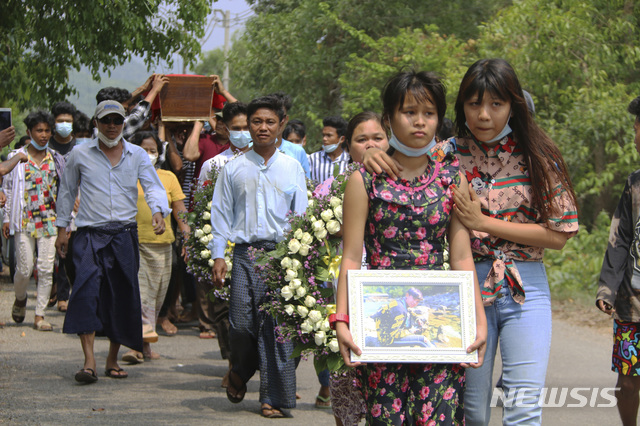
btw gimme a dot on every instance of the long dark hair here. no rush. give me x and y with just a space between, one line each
543 158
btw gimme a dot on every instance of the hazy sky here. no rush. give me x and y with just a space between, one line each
240 11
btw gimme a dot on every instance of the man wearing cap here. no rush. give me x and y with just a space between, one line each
106 297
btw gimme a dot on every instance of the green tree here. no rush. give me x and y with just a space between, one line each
580 62
302 46
42 40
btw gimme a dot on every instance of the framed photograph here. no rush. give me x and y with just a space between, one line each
5 118
412 315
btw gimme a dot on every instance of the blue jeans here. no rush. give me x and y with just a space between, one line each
524 334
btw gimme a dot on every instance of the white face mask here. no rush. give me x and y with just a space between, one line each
110 143
395 143
153 158
499 136
330 148
64 129
240 138
37 146
80 141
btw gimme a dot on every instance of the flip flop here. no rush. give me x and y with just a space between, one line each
109 373
168 327
151 356
271 412
208 334
87 376
233 388
323 402
133 357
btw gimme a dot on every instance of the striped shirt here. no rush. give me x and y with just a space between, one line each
322 167
188 182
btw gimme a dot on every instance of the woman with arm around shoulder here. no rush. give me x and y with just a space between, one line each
519 201
414 106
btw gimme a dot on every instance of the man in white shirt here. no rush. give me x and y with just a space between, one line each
253 195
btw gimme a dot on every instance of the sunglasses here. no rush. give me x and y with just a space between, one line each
110 119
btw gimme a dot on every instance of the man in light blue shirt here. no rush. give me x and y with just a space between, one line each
289 148
253 196
106 296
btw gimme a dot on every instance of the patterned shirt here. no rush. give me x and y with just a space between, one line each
619 283
40 188
322 167
391 320
501 181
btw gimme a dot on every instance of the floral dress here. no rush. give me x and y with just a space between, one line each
406 229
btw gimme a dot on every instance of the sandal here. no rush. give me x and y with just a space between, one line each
271 412
19 312
151 356
111 372
62 305
323 401
150 336
42 325
86 375
167 326
133 357
235 393
208 334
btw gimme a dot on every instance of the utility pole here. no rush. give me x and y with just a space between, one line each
227 30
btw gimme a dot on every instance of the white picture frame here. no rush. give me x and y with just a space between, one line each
445 318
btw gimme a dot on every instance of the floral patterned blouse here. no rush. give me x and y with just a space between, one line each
408 220
501 181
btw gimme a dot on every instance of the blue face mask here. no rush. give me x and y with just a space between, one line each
407 150
39 147
80 141
240 138
64 129
330 148
500 136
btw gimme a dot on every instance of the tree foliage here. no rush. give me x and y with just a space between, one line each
304 47
42 40
580 62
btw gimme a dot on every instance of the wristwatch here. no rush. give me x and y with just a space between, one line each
334 318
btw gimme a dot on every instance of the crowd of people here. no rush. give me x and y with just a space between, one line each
100 204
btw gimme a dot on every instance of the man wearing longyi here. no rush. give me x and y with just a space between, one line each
106 296
253 195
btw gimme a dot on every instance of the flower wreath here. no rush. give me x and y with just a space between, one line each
199 261
300 273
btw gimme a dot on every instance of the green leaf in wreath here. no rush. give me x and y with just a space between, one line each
322 274
300 348
320 363
334 362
